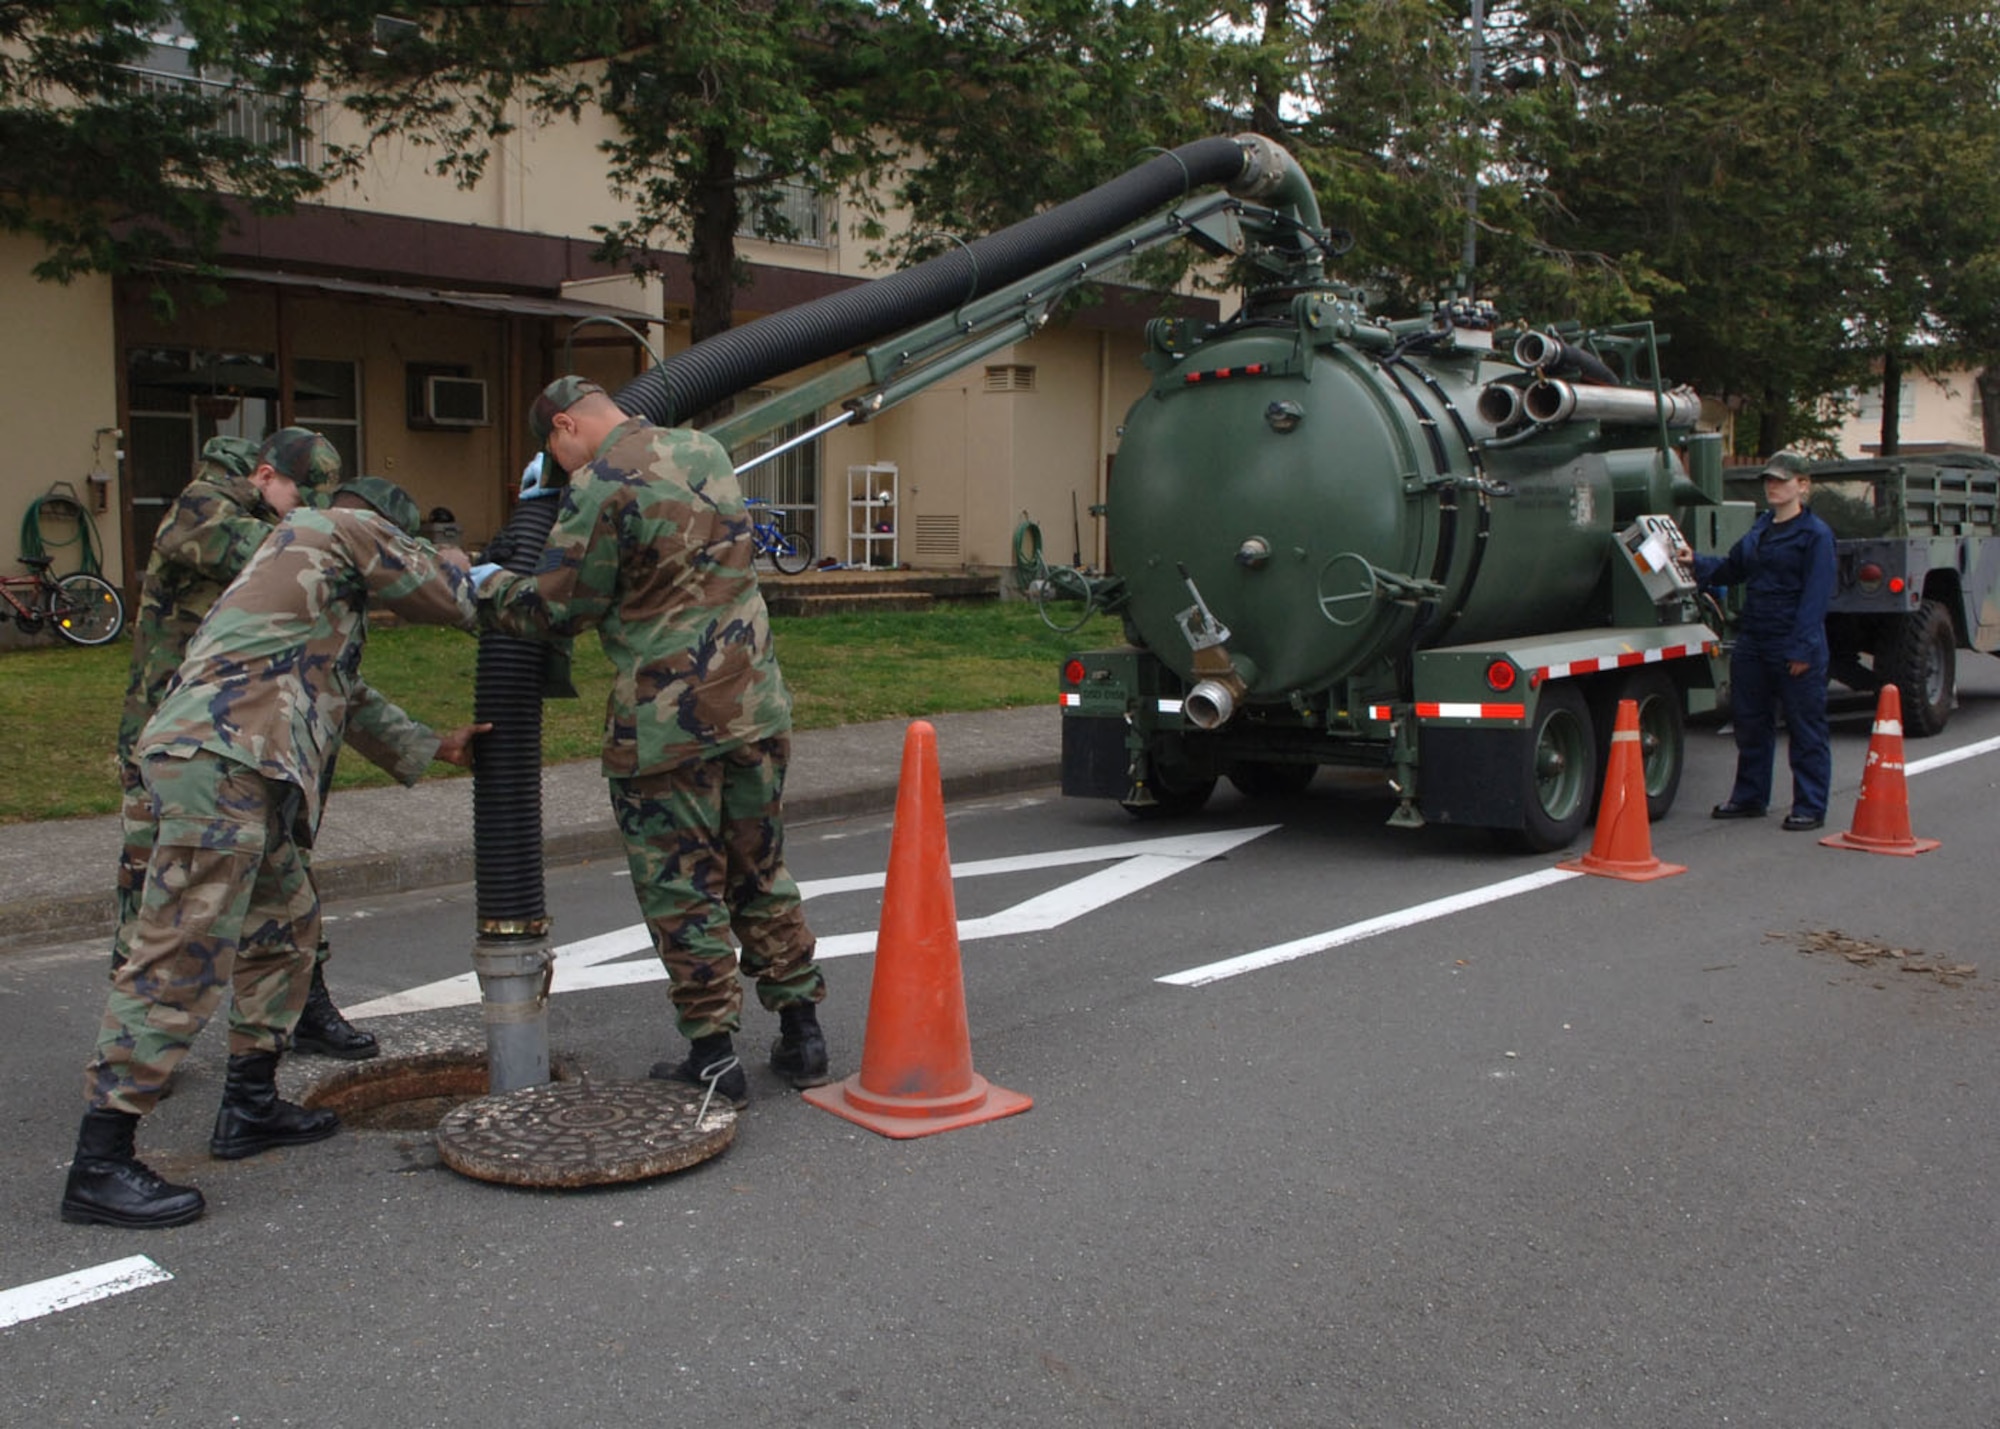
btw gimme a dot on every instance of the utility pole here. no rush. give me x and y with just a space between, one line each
1476 74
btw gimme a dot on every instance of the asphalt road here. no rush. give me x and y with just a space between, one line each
1596 1153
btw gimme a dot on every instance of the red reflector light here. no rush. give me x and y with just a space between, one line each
1896 585
1073 673
1500 675
1869 573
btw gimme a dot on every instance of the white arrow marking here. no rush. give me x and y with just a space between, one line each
79 1287
589 962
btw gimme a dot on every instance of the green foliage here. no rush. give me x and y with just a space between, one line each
111 172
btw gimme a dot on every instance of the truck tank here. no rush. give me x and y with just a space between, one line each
1335 495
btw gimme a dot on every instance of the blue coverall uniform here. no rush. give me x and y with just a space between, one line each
1786 569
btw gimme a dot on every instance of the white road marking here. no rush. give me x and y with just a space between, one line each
79 1287
1950 756
1368 928
591 962
1443 907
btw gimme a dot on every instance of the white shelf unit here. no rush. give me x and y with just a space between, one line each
873 526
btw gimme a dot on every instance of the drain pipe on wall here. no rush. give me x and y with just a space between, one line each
512 954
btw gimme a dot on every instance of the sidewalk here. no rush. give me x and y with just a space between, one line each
56 878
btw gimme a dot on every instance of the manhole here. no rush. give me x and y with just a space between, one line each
412 1092
585 1133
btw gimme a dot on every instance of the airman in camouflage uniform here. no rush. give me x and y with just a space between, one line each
232 763
213 528
653 547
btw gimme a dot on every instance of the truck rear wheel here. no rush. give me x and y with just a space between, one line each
1175 791
1662 733
1922 661
1560 774
1270 781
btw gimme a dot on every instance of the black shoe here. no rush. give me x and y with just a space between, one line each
711 1060
1730 810
1799 823
254 1118
109 1186
799 1054
322 1029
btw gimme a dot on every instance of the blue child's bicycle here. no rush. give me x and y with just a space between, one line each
790 551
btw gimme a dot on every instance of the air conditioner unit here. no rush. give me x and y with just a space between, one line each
455 402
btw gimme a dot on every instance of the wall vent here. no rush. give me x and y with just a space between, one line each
938 539
1010 377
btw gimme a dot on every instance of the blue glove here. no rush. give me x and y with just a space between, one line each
480 572
531 480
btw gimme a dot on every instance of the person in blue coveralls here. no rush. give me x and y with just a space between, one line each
1785 566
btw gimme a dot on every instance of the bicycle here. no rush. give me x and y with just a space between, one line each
84 609
789 550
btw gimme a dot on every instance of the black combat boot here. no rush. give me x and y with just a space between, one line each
709 1059
799 1054
323 1030
109 1186
252 1118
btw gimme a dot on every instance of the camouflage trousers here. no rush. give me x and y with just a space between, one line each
135 816
225 906
706 845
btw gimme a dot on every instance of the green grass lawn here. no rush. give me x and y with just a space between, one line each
60 704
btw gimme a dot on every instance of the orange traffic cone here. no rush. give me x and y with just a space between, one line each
1623 845
1882 813
916 1074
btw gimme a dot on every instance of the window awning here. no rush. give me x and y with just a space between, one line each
514 304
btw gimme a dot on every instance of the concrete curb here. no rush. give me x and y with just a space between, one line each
33 921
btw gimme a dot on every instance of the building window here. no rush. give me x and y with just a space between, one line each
789 481
243 113
787 213
326 396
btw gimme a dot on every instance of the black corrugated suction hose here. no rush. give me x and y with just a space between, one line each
507 785
507 761
734 361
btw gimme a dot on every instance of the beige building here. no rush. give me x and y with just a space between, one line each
412 322
1934 411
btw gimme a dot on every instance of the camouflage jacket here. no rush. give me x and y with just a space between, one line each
271 678
653 548
206 538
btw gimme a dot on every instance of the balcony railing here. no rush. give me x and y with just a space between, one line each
804 210
248 114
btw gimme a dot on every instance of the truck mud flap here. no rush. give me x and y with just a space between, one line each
1095 762
1472 776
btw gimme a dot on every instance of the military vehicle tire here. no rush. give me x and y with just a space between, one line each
1922 661
1175 792
1662 732
1559 776
1256 780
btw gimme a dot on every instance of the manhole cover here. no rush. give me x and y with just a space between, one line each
413 1091
584 1133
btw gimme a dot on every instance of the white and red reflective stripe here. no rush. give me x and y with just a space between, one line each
1453 710
1071 699
1618 662
1460 710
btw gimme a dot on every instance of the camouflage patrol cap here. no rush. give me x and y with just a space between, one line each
559 396
389 501
1786 465
235 455
308 458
